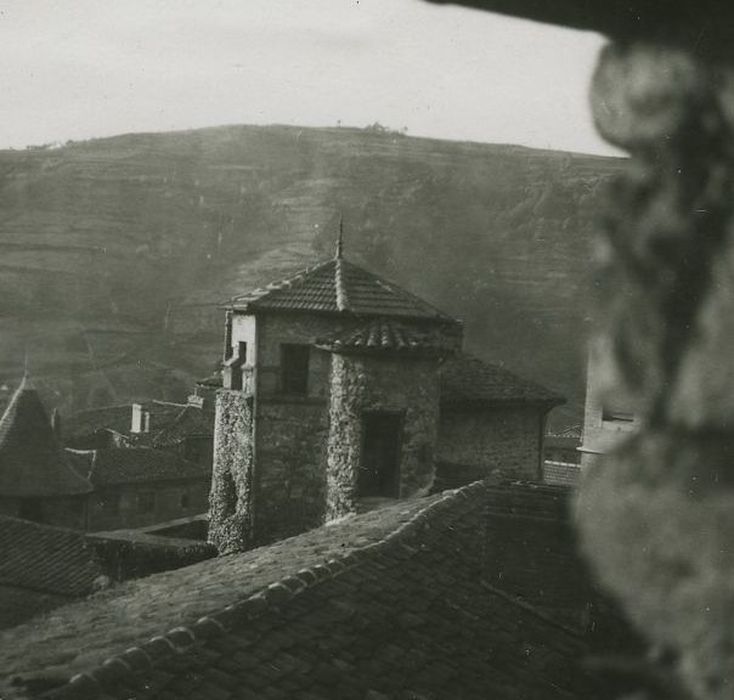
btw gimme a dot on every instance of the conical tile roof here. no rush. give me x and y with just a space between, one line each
338 286
32 464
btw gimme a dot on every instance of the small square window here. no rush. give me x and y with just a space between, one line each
294 368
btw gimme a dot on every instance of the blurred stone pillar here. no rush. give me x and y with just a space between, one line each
657 515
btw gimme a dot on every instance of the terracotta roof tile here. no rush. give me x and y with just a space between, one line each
386 335
467 379
360 292
31 461
112 466
46 559
190 422
406 613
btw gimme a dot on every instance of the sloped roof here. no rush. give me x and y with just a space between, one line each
46 559
386 604
32 464
135 465
467 379
191 421
338 286
385 335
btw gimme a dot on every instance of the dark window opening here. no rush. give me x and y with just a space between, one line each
379 469
228 336
146 502
228 495
294 368
185 501
614 415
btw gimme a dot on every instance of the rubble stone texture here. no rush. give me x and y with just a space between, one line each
229 500
657 516
410 387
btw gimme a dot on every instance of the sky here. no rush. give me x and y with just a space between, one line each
78 69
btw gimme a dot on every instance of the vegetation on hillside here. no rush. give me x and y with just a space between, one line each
116 252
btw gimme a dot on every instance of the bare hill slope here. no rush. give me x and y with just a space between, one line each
115 252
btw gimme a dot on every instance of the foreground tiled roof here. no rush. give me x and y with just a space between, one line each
385 335
32 464
467 379
389 604
113 466
46 559
335 286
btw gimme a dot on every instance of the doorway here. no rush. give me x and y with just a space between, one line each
379 468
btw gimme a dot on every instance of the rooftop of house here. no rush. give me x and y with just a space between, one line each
468 380
338 286
386 335
42 567
374 605
118 419
116 466
191 421
32 463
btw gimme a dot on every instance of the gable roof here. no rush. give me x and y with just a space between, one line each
390 603
134 465
337 286
32 464
467 379
386 335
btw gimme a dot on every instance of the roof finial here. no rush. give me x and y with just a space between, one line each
340 240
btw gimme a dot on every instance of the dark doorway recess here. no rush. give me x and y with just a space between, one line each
379 469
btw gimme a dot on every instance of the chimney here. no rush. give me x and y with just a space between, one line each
141 419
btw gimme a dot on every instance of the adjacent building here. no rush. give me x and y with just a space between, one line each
609 414
340 387
107 488
37 479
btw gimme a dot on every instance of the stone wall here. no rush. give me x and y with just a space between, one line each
476 442
230 499
290 469
384 383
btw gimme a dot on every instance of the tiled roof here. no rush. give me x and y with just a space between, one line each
389 604
213 380
360 292
111 466
46 559
385 335
32 464
467 379
190 422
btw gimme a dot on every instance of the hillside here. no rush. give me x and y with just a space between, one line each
116 252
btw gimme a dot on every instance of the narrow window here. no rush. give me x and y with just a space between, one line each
294 368
609 414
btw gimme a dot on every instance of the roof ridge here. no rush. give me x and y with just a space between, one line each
394 287
279 284
144 657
